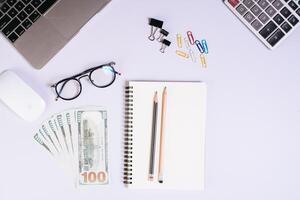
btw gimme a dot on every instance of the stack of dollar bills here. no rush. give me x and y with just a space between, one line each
77 139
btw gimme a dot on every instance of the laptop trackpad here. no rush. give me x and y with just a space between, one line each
69 16
40 43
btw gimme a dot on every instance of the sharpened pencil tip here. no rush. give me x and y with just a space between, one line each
150 178
155 97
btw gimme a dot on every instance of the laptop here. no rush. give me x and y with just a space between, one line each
39 29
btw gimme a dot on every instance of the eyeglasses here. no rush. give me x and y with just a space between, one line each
101 76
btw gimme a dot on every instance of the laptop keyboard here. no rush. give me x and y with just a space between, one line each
17 16
270 20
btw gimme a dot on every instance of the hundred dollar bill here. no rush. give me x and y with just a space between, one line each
42 140
92 147
48 140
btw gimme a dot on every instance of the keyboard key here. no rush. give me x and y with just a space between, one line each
5 7
11 26
256 10
278 4
26 24
275 37
293 5
241 9
233 3
1 14
19 6
256 24
298 12
22 15
268 29
249 17
13 37
11 2
36 3
20 30
34 16
248 3
270 11
263 4
278 19
4 20
286 27
29 9
285 12
48 3
12 12
263 18
26 1
293 20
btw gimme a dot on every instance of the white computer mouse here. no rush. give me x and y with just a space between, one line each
19 97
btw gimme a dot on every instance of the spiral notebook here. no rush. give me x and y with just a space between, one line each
182 159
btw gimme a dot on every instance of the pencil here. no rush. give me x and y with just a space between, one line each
162 130
153 138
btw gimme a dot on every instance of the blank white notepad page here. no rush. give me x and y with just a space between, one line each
184 134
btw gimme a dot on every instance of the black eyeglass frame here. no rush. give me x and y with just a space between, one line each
87 73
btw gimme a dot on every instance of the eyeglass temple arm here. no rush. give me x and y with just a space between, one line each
60 90
91 69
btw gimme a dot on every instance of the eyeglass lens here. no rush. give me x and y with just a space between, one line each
69 89
103 76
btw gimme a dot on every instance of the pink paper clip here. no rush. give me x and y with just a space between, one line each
191 37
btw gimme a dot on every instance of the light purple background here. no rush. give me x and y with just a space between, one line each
253 119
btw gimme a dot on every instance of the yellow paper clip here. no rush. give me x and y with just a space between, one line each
179 40
203 61
182 54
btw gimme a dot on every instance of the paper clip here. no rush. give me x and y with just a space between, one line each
188 47
191 37
205 46
199 46
179 40
155 25
192 55
165 43
203 61
187 44
182 54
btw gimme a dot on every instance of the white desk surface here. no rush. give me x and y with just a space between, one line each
253 119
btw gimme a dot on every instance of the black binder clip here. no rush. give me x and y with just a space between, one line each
155 25
162 35
165 43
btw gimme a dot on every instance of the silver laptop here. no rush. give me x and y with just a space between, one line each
38 29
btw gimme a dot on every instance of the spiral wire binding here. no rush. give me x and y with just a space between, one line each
127 179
